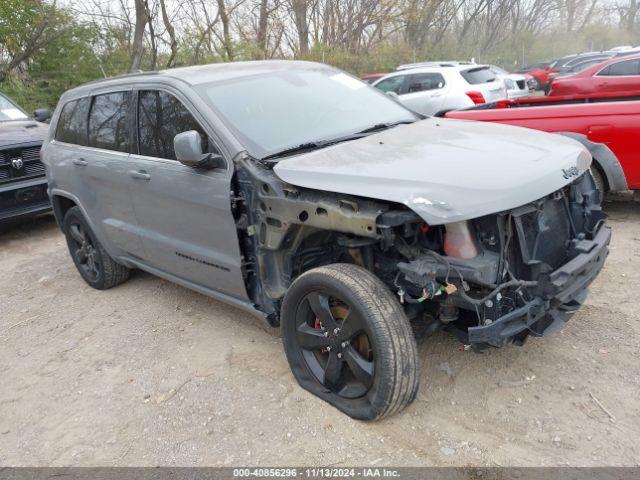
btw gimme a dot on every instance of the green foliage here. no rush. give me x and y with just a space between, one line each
19 19
74 53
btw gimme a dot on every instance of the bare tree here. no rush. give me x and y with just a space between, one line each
173 43
137 47
300 11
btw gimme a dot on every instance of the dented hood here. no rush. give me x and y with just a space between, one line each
444 170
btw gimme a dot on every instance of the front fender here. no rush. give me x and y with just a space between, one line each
605 158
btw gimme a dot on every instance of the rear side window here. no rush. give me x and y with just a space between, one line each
161 116
476 76
72 124
109 121
420 82
630 67
391 84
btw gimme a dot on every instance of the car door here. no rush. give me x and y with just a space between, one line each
424 92
184 213
93 146
619 77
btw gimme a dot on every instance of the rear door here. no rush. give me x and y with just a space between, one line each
184 213
90 153
619 77
482 79
107 191
424 92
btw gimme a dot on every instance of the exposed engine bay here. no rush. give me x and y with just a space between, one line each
490 281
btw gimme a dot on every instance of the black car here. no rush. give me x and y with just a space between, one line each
23 185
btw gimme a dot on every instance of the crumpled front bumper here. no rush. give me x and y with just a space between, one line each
544 315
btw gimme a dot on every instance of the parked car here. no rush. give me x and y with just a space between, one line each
618 74
372 77
23 185
293 191
517 85
605 123
427 90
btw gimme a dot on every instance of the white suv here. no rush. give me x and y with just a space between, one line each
431 89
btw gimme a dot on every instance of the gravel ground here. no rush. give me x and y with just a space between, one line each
150 373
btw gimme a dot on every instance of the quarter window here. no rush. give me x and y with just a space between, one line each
425 81
72 124
630 67
161 116
391 84
109 121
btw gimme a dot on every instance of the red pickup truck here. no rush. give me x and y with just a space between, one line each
607 124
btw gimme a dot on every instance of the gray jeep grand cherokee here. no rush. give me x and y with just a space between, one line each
296 192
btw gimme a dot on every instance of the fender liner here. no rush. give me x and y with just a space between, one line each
606 160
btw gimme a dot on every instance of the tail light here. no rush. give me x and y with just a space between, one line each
476 97
458 241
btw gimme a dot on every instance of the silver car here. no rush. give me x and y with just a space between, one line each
297 193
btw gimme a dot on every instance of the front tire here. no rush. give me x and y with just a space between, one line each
348 341
93 262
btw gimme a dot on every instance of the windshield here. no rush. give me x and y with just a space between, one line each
274 111
10 111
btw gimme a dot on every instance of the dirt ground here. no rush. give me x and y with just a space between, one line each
150 373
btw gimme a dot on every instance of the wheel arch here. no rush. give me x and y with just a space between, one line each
605 160
61 205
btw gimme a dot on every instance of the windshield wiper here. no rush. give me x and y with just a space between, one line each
303 147
383 126
308 146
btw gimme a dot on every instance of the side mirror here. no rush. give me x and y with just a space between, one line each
188 148
41 114
393 95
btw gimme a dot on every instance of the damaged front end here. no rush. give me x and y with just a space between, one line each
503 277
491 280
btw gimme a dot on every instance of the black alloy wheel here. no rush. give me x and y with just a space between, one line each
84 252
335 345
93 262
349 342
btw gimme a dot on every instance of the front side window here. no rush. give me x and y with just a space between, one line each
391 84
630 67
109 121
72 124
161 116
420 82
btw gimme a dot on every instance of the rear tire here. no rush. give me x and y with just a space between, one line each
348 341
93 262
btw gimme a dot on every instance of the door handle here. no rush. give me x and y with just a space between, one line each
140 175
80 162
